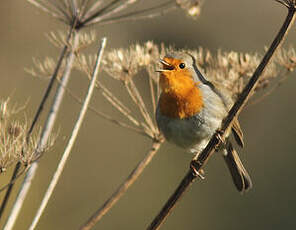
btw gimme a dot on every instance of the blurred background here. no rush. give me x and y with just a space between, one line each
105 154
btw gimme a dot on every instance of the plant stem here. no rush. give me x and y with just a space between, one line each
72 139
35 119
47 129
123 187
200 160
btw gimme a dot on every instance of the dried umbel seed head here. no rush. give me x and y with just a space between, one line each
123 64
14 144
192 7
3 109
14 130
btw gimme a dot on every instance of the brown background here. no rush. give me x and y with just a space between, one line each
104 154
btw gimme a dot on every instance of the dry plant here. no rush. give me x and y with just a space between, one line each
218 138
72 139
76 15
13 137
232 69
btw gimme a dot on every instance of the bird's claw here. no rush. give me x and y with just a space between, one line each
219 135
200 173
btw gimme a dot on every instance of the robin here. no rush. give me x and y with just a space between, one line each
190 110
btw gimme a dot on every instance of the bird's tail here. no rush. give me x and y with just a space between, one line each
238 173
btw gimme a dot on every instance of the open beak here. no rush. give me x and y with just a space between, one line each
166 66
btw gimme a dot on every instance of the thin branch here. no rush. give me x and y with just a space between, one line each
138 100
9 189
284 2
137 15
72 139
117 9
44 136
283 77
25 169
83 8
101 13
50 85
51 12
200 160
65 4
117 104
56 6
36 118
91 10
123 187
107 117
152 90
74 9
109 96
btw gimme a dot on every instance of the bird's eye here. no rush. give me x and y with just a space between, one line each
182 65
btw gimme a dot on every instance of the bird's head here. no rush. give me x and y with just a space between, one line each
177 72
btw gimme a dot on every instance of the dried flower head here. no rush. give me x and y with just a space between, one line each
232 70
42 69
13 133
122 64
81 13
59 39
45 68
286 58
192 7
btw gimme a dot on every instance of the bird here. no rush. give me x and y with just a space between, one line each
191 108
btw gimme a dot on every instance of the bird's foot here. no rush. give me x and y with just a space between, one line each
200 173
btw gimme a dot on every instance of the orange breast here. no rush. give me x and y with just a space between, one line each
181 103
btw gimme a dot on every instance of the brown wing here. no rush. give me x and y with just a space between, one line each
237 132
238 172
236 129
